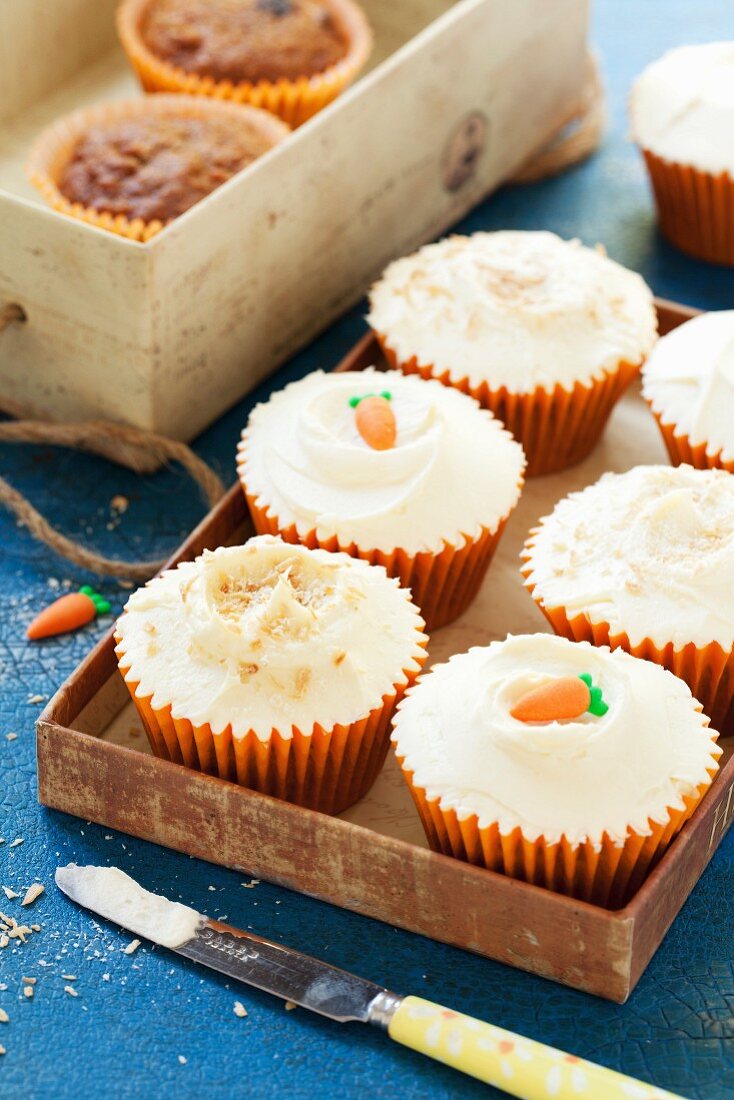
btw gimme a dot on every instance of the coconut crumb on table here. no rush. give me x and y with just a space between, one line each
14 843
32 893
131 947
71 991
4 1018
29 981
249 885
290 1005
69 977
28 991
11 736
10 893
239 1009
2 1051
182 1060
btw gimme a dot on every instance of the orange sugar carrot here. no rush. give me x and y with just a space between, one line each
563 698
376 424
67 613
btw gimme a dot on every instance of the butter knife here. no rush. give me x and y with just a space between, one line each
518 1066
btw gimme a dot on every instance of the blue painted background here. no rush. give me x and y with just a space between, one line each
124 1033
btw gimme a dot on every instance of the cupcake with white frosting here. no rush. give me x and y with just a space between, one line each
559 763
402 472
688 382
274 666
682 116
544 332
644 561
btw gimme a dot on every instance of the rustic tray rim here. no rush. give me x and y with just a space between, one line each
634 932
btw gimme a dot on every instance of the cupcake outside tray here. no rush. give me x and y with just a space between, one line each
374 858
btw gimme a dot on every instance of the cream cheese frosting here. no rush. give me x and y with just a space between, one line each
578 778
650 551
689 381
513 309
682 107
269 636
453 470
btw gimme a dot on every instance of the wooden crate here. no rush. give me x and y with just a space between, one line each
93 761
167 335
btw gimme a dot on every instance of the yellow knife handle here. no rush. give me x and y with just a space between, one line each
521 1067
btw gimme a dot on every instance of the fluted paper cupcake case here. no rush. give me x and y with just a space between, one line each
708 670
55 146
321 769
695 208
294 101
442 585
557 428
607 874
681 450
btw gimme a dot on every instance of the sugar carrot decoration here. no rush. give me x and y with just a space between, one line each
375 420
68 613
560 699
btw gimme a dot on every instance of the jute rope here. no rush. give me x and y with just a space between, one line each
144 451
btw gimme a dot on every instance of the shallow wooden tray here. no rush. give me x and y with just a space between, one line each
93 761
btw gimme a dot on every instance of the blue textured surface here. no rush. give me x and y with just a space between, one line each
136 1014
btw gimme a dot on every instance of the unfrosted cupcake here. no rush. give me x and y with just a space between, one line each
544 332
688 381
682 115
291 57
274 666
644 561
428 500
132 167
562 764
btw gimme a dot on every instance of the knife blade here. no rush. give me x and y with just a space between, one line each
520 1067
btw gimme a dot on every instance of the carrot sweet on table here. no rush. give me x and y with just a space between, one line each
68 613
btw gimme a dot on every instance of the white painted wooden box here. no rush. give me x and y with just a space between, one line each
169 334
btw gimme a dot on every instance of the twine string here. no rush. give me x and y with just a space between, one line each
144 451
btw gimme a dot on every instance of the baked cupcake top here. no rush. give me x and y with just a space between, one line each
156 165
646 746
689 381
682 107
650 551
269 636
245 40
513 309
451 468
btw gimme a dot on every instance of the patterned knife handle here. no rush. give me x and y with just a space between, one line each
520 1067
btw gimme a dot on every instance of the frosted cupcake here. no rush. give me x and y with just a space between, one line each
399 471
291 57
519 758
274 666
688 381
644 561
682 115
544 332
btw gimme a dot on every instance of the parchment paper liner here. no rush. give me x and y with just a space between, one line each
708 670
557 428
681 450
54 148
322 769
294 101
695 208
608 875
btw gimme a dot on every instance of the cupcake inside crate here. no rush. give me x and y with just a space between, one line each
168 334
94 761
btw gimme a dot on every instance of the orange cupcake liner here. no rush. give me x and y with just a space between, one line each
607 874
708 670
695 208
322 769
294 101
681 450
55 146
557 428
441 584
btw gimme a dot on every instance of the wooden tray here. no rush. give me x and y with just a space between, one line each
167 335
93 761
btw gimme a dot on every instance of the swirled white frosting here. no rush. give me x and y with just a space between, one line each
269 636
682 107
453 468
689 381
650 551
578 778
514 309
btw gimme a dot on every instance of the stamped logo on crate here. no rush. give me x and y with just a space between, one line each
465 146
